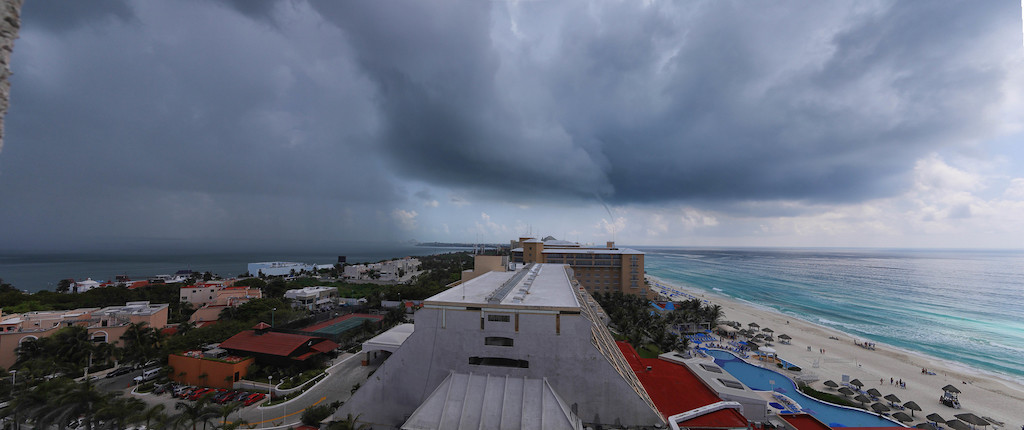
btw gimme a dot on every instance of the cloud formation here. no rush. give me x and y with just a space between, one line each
369 120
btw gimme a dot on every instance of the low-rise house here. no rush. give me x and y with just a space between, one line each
312 298
275 348
104 325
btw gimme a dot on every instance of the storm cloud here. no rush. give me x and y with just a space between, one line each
299 119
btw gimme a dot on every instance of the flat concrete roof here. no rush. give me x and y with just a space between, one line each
586 251
546 285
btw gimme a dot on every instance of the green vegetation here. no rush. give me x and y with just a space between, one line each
649 350
827 397
313 416
635 322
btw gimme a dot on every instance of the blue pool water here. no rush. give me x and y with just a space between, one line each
758 378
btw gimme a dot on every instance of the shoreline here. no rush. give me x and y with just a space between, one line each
813 348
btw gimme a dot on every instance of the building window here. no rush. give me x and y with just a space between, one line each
498 341
499 362
499 318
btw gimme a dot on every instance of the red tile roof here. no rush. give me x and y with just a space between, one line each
325 346
270 343
804 422
674 390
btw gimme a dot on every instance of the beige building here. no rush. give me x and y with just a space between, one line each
104 325
598 269
486 263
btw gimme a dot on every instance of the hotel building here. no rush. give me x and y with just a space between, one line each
598 269
515 349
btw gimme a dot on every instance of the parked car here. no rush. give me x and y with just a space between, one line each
254 398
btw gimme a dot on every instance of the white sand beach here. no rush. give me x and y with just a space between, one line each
982 394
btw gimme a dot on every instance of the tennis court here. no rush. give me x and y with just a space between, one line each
343 324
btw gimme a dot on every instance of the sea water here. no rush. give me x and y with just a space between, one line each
42 271
961 306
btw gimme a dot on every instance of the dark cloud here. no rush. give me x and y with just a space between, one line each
66 16
302 119
678 102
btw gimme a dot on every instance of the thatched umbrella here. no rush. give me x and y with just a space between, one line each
768 330
912 405
784 336
862 398
957 425
950 388
903 417
875 392
830 383
935 418
857 383
754 325
846 391
892 398
973 419
927 426
879 407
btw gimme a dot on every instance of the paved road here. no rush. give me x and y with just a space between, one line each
336 386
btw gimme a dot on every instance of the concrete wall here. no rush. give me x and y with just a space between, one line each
557 347
188 370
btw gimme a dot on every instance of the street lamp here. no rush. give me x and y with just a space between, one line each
14 380
272 316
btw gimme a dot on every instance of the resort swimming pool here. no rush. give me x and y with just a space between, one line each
761 379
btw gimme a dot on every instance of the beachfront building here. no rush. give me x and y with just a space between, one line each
496 341
386 271
279 268
598 269
104 325
312 298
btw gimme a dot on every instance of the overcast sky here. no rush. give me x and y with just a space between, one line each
864 124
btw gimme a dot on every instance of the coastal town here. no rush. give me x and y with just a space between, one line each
293 345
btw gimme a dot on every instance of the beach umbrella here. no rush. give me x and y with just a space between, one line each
892 398
862 398
875 392
973 419
957 425
936 418
903 417
878 407
846 391
950 388
913 407
857 383
784 336
768 330
830 383
927 426
754 325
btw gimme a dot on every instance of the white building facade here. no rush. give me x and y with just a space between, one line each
535 323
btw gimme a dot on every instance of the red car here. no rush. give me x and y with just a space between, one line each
199 393
254 398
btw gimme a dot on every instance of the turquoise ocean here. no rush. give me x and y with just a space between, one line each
961 306
965 307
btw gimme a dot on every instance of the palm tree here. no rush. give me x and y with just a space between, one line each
227 409
152 413
140 342
74 400
118 411
193 413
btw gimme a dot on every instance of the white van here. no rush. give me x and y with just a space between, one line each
147 375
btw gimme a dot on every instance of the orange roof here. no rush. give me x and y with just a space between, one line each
674 390
326 346
270 343
261 326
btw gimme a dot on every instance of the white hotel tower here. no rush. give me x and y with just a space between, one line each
521 349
